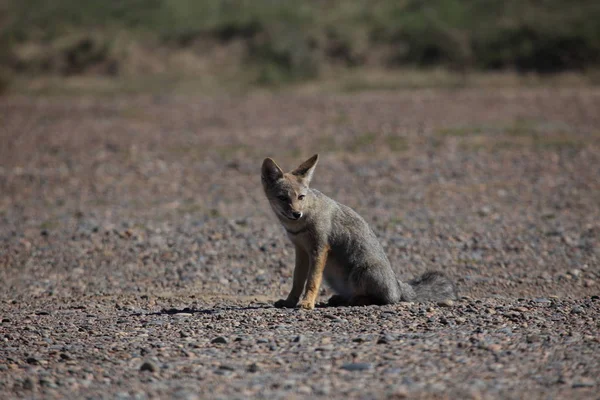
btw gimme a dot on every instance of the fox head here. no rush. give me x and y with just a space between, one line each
288 193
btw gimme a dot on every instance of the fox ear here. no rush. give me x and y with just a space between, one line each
270 172
306 169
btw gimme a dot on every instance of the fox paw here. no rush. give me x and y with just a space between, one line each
307 305
285 303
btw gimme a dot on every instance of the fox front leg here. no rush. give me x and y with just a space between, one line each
315 276
300 274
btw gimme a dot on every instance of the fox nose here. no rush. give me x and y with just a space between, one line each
296 214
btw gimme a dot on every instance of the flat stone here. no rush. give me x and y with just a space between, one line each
357 366
149 366
220 340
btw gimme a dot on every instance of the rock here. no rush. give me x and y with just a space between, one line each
583 383
542 300
588 283
28 383
32 361
494 348
220 340
577 310
182 315
532 338
357 367
253 368
576 273
298 339
446 303
149 366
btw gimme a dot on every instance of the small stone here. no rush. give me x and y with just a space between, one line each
485 210
382 340
298 339
326 347
182 315
574 273
532 338
219 340
149 366
494 348
32 361
357 366
253 367
304 389
577 310
542 300
583 383
28 384
588 283
446 303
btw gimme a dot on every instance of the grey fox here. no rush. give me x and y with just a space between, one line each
332 240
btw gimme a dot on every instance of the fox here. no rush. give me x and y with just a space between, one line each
334 242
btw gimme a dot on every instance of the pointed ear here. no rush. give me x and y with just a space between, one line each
306 169
270 172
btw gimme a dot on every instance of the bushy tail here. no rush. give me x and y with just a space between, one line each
433 286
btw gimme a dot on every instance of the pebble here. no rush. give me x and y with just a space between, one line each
32 361
28 383
584 383
357 366
220 340
182 315
446 303
542 300
575 273
148 366
298 339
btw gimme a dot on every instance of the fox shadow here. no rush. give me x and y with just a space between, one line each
208 311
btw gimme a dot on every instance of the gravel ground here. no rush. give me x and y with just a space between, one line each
139 258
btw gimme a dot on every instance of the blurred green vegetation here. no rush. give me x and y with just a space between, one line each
281 41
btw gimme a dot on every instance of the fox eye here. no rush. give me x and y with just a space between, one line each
282 198
301 197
